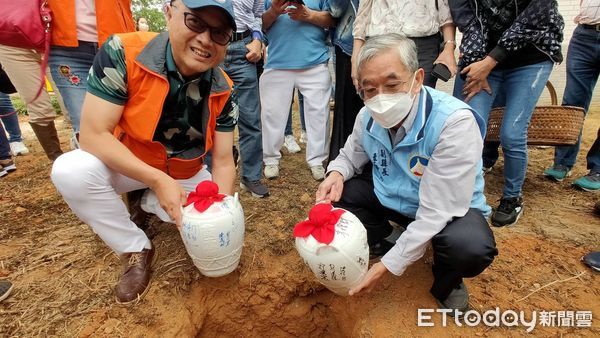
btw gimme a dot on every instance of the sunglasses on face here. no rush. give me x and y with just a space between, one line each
196 24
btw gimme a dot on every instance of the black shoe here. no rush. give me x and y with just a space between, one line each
5 289
457 300
379 249
256 188
139 216
592 260
508 212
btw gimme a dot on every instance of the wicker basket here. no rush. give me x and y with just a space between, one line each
550 125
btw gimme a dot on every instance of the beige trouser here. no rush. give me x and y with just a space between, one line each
23 69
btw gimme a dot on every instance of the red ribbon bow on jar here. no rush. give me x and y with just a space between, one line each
320 224
207 193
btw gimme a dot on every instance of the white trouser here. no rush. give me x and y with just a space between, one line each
93 190
276 90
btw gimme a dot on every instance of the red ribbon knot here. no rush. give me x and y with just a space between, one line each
320 224
207 193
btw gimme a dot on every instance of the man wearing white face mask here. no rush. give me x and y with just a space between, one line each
425 150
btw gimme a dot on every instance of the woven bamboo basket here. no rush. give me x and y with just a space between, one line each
552 125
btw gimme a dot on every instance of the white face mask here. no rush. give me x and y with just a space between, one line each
389 109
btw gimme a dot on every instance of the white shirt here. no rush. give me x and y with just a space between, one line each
413 18
446 187
589 13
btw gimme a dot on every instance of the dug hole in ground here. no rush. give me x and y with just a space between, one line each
64 275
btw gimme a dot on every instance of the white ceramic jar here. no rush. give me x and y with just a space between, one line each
343 263
214 238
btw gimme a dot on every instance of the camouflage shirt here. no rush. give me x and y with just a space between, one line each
180 126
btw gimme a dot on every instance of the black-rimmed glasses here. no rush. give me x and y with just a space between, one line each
196 24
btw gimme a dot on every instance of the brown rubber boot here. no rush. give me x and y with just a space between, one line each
48 138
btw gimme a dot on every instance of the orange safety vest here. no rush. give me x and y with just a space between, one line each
147 91
112 16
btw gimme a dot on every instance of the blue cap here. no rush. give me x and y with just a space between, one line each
225 5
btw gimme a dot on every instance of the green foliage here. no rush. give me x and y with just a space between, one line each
55 104
19 105
22 109
152 11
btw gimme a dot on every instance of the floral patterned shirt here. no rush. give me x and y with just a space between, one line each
413 18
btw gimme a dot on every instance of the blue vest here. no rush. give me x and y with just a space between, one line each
397 171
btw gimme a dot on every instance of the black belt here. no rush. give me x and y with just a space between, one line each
592 27
240 36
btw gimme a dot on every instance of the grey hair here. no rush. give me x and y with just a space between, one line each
407 51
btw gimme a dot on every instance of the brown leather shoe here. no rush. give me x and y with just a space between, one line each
134 281
137 215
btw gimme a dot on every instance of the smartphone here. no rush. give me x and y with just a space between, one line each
441 72
300 2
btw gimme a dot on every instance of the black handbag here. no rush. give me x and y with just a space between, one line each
6 86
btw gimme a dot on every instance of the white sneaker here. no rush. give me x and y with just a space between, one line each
290 144
303 137
3 172
318 172
271 171
18 148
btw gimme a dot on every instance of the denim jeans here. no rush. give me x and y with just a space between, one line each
243 74
593 155
70 67
583 68
10 119
288 126
490 148
4 146
522 87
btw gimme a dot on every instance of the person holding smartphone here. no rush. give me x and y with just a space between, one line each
297 58
420 20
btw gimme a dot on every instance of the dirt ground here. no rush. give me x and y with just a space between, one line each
64 275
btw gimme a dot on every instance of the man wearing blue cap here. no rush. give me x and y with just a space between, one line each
156 104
